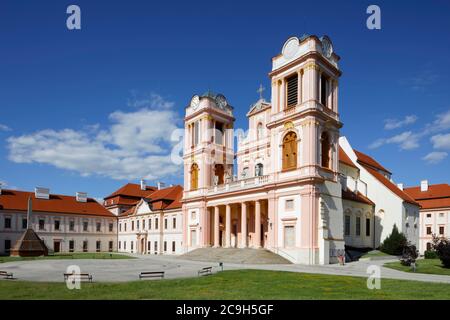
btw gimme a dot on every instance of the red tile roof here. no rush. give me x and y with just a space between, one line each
132 190
164 199
15 200
345 159
369 161
437 196
356 196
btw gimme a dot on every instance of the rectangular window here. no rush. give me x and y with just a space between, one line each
358 226
7 223
367 227
347 225
156 223
85 226
71 225
71 246
24 223
98 226
85 246
137 224
124 245
196 133
120 227
165 246
41 224
174 223
149 224
219 132
132 246
289 236
149 246
156 247
57 224
132 225
120 245
111 227
97 246
7 246
428 230
441 230
143 224
110 246
125 226
289 204
324 90
292 91
173 246
428 215
165 223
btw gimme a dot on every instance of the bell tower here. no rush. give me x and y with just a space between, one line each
209 145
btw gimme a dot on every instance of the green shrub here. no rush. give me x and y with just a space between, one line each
394 243
409 255
430 254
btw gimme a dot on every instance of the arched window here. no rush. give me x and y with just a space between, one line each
259 170
326 149
290 151
194 176
260 131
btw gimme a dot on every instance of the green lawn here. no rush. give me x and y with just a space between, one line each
432 266
75 255
237 284
374 253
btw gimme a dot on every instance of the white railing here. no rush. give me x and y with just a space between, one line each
240 184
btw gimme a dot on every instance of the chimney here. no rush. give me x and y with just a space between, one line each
42 193
161 185
424 185
400 186
81 196
143 185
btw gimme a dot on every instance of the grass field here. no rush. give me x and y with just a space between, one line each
77 255
235 285
431 266
375 253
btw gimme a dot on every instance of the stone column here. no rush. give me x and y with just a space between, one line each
216 227
228 226
257 242
282 95
243 225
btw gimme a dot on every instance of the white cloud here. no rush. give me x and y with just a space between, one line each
435 157
136 145
4 127
390 124
406 140
442 121
441 141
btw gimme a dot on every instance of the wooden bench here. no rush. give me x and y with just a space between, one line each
152 274
206 271
6 275
78 276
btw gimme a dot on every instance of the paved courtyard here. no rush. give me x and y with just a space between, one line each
119 270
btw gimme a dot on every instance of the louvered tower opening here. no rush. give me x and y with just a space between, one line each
292 91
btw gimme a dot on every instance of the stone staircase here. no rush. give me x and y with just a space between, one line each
234 255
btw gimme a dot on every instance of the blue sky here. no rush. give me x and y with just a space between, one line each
88 110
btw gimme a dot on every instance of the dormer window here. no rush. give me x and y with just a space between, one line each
292 91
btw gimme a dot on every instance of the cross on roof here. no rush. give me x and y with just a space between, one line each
260 91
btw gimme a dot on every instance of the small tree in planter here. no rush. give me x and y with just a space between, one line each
442 248
394 243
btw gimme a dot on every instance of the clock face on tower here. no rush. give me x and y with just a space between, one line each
221 101
195 101
327 48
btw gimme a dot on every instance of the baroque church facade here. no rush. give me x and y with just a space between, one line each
289 186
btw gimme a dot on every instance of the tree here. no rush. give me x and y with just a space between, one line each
394 243
442 248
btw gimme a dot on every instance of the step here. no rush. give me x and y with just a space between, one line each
234 255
